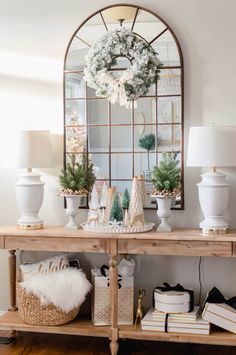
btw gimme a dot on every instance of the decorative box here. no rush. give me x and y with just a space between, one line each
101 305
220 311
173 299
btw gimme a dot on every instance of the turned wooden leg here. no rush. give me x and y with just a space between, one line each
12 279
113 275
114 345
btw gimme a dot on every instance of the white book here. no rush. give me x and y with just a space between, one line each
148 320
190 316
177 330
221 315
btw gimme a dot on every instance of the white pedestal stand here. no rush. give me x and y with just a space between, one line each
72 210
163 211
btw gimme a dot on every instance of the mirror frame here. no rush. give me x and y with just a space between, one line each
179 67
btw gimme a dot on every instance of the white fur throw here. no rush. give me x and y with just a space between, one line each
65 289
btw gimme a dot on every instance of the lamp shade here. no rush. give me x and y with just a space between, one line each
212 146
35 149
119 13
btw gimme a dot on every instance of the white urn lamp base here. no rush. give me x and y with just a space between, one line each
214 198
29 195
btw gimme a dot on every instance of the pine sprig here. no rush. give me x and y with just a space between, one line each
147 142
166 176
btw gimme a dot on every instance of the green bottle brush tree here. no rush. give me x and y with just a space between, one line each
116 213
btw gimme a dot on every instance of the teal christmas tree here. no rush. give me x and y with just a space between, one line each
116 209
125 199
147 142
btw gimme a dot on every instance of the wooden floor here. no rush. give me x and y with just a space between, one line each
41 344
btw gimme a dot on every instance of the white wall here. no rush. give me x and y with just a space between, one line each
33 40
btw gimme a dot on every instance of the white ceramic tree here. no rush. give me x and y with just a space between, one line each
126 218
136 205
142 189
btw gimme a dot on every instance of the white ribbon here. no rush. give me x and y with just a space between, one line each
118 88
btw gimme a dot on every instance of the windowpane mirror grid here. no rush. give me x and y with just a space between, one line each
169 109
169 82
91 31
75 112
101 166
120 115
75 86
124 144
109 133
121 166
98 139
148 26
97 112
167 49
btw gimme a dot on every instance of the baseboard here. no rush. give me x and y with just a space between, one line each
2 312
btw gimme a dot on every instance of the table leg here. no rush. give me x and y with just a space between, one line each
12 279
113 275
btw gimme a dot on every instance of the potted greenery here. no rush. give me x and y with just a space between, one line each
166 181
76 181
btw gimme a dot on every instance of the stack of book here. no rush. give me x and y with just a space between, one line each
190 322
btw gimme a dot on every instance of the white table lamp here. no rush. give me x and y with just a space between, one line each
212 147
35 151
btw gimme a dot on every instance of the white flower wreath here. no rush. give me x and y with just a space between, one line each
135 81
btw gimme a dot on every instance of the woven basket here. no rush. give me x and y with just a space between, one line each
32 312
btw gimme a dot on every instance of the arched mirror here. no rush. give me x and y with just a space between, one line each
109 134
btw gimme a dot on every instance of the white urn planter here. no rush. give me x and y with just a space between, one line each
72 210
163 211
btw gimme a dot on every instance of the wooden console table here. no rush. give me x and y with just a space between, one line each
179 242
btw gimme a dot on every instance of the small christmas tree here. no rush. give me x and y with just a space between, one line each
125 199
111 192
166 176
94 201
77 178
147 142
116 209
136 205
103 200
94 211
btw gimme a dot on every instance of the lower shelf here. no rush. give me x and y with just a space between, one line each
12 321
80 326
216 337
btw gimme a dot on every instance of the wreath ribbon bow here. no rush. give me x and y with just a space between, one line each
118 87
